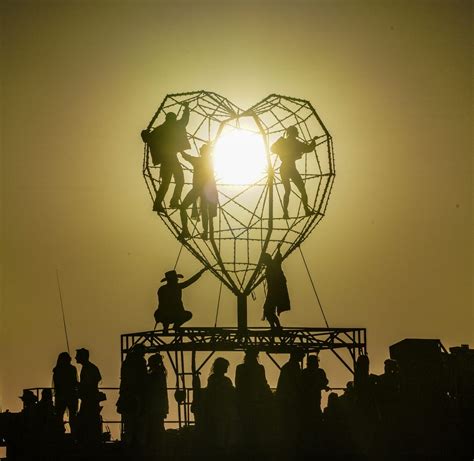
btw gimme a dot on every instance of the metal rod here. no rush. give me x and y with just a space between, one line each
62 310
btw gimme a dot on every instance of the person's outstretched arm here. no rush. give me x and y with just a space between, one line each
308 147
278 258
189 158
192 279
185 117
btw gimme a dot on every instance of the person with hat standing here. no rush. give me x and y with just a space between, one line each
170 305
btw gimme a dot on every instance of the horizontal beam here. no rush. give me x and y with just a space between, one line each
231 339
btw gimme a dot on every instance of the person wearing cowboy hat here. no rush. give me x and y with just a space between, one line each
170 305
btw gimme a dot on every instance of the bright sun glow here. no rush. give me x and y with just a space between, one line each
239 157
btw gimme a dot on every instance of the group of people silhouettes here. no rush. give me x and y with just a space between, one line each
143 400
40 425
375 417
170 138
84 420
227 416
171 310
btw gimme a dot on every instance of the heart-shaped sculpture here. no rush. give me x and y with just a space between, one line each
257 180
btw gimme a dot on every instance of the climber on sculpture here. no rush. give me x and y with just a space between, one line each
289 150
204 188
278 299
170 305
165 141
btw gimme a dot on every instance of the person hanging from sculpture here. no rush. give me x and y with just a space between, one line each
277 300
204 188
165 141
289 149
170 305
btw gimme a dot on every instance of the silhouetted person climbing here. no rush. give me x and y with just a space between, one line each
204 188
88 418
170 305
131 403
289 150
219 406
289 397
65 390
277 300
156 405
254 398
165 141
314 382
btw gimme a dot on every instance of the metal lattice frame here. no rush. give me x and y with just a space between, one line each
347 344
250 216
309 340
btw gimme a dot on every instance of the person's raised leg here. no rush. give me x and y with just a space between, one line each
178 176
298 181
205 218
287 187
165 176
183 317
188 200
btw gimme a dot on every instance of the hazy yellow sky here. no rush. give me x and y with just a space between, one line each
80 79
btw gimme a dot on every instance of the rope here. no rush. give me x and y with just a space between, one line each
177 259
314 287
62 310
218 305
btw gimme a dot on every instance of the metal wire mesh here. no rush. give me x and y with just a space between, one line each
249 217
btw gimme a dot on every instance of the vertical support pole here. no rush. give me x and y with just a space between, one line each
242 312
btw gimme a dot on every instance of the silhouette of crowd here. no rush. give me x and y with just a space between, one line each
375 415
387 416
40 427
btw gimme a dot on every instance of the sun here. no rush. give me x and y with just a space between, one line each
239 157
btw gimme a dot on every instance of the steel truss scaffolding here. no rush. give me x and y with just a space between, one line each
347 344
